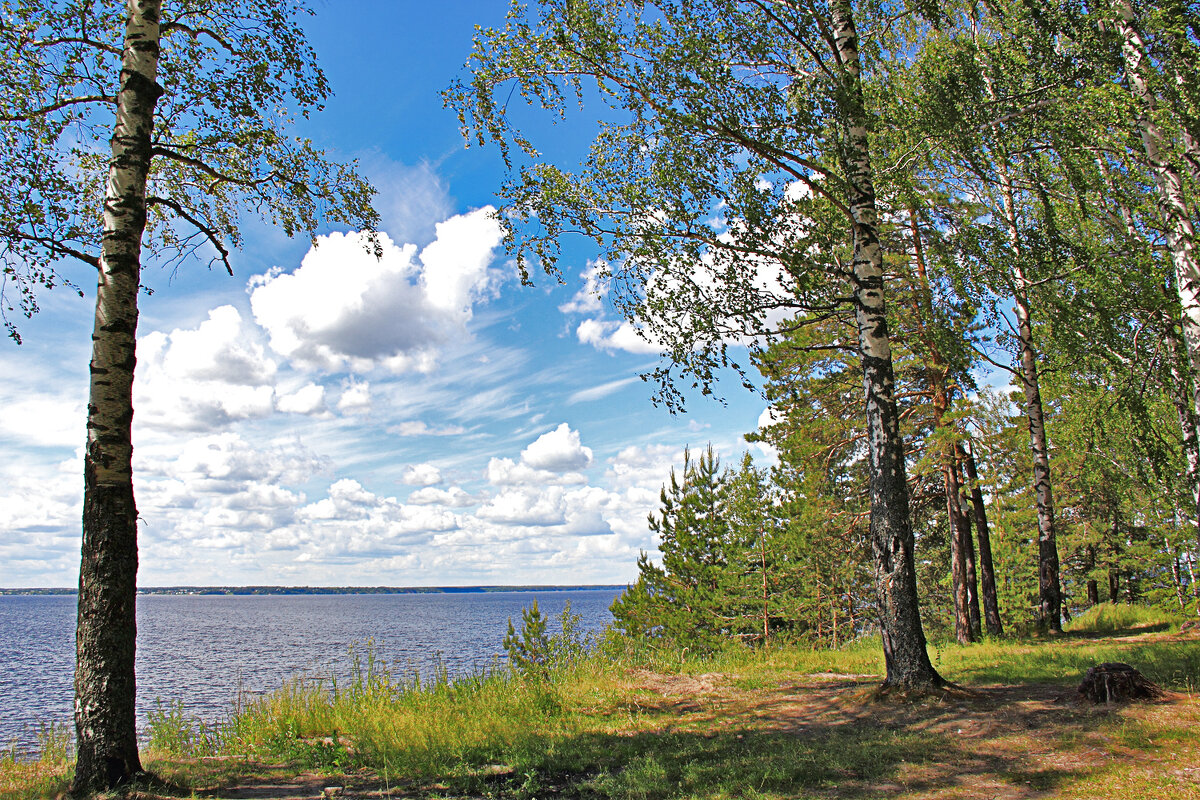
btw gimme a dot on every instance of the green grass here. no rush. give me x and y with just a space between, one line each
1173 664
592 728
1108 618
46 776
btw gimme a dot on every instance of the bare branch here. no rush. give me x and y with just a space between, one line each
44 110
217 176
208 232
53 245
196 33
57 40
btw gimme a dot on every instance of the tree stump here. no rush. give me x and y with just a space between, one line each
1116 682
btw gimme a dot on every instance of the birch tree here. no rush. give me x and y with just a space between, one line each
748 112
194 99
1145 79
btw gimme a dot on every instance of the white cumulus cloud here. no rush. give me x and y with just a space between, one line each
343 309
612 335
308 399
557 451
203 378
421 475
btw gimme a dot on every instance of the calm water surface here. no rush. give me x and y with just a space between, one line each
202 650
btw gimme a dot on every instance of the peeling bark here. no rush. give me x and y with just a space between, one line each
958 555
904 647
972 577
106 741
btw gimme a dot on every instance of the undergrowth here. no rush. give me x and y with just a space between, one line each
577 719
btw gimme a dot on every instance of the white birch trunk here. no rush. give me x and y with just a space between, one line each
1049 592
106 741
1181 235
905 655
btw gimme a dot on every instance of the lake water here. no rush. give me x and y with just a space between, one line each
203 649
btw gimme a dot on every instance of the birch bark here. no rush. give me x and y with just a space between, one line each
1181 234
905 655
106 741
1049 594
1180 389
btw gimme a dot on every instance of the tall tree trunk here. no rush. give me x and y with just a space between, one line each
905 654
987 572
766 595
1177 576
958 556
937 373
1114 550
1049 594
1093 590
1181 391
1181 234
106 739
972 576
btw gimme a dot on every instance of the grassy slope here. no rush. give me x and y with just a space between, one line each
790 723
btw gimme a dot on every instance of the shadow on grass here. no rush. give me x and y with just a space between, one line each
1121 633
1173 662
834 749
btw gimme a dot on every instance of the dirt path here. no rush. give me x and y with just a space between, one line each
996 742
1001 742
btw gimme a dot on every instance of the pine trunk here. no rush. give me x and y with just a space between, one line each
106 739
987 572
972 576
1114 549
905 655
1093 589
958 554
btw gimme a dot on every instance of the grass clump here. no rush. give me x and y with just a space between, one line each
621 719
48 775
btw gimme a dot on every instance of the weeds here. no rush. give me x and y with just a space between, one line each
586 724
46 776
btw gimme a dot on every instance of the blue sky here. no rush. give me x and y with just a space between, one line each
325 419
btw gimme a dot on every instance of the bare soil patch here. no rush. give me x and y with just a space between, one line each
1002 742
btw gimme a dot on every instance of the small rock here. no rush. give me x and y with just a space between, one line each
333 791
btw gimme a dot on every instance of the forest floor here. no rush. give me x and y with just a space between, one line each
782 729
777 734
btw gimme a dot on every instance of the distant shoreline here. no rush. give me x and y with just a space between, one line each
286 590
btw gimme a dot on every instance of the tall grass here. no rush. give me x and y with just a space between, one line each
421 727
47 775
588 718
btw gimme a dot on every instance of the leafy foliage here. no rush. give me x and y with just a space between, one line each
235 77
